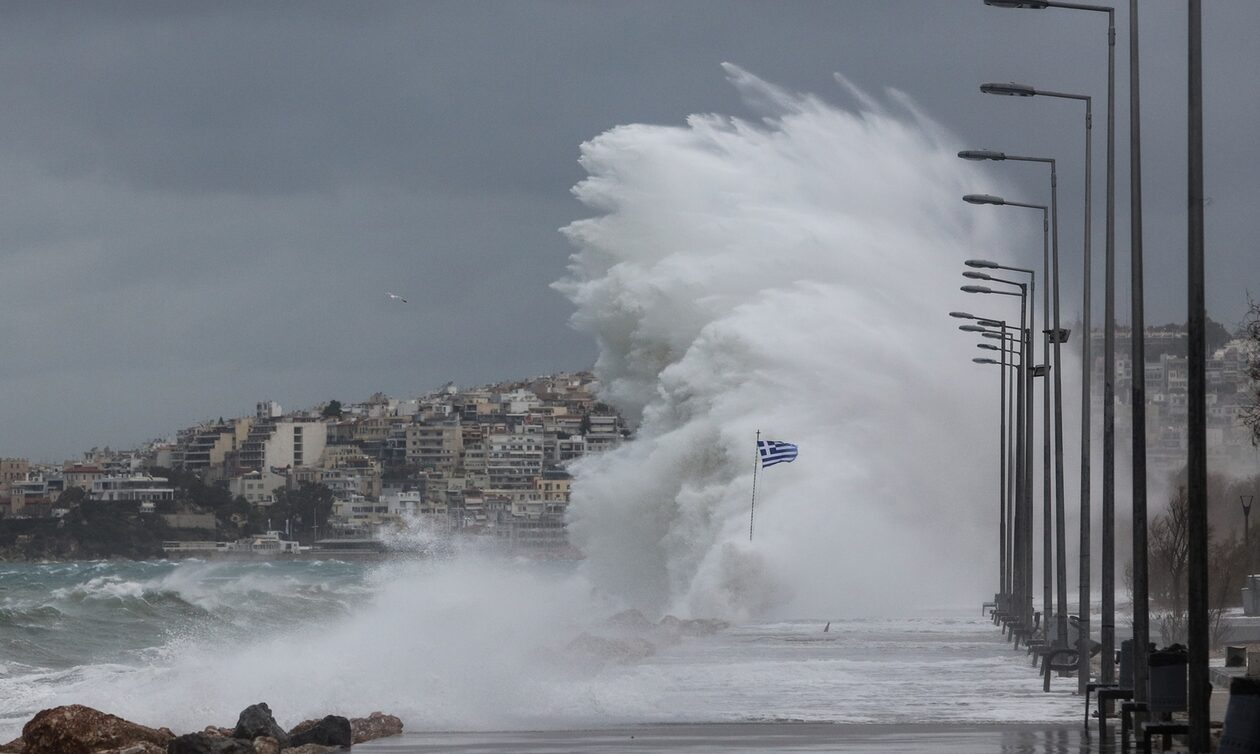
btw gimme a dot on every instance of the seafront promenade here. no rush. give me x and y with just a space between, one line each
1005 738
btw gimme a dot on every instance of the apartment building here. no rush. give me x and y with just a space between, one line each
435 446
13 470
283 443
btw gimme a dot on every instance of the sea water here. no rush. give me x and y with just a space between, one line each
471 646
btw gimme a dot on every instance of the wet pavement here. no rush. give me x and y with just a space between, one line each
753 737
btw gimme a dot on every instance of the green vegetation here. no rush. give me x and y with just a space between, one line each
87 532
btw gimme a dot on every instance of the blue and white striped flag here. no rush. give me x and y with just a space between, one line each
773 451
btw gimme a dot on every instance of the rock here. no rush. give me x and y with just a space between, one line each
302 727
205 743
374 726
75 729
312 749
256 720
333 730
141 748
266 745
632 619
16 746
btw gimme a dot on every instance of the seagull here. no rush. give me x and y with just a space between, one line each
395 297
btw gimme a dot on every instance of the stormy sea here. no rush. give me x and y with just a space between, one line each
787 272
476 647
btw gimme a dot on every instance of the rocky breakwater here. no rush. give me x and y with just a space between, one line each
75 729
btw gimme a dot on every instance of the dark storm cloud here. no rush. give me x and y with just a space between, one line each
202 204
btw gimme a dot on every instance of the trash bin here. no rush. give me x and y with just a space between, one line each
1168 680
1242 718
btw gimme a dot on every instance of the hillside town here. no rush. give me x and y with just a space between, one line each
487 461
1229 393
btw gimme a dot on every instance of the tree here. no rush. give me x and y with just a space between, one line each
71 496
1251 333
332 410
1169 558
305 508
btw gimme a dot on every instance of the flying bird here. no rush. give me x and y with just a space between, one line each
395 297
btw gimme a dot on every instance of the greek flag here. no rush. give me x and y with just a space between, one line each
773 451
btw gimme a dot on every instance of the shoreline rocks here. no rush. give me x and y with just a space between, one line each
76 729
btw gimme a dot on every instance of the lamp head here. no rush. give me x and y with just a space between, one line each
981 154
1034 4
962 315
971 328
994 335
983 263
984 199
1009 89
988 346
982 360
977 275
975 289
990 323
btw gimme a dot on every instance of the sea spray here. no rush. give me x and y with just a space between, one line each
790 275
463 642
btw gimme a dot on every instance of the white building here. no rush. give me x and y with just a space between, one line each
283 443
135 488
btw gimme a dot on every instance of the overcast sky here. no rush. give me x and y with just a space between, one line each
203 204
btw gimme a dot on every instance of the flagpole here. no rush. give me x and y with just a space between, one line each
753 508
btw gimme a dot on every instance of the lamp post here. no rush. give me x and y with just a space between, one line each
1047 604
1251 579
1006 514
1023 90
1141 571
1023 454
1002 594
1199 688
1057 336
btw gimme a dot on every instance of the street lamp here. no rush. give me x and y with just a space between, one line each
1109 332
1057 335
1023 462
1047 578
1023 90
1251 578
1199 691
1038 4
1005 549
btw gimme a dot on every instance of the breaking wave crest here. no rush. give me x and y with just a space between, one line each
789 274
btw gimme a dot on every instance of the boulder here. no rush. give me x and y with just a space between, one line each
204 743
75 729
312 749
374 726
255 721
631 619
16 746
141 748
333 730
302 727
266 745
